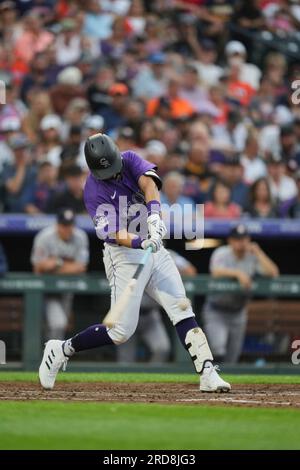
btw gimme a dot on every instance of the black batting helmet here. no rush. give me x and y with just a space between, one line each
102 156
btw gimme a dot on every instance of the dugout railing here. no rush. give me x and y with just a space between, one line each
34 287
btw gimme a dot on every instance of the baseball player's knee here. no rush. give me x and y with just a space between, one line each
120 335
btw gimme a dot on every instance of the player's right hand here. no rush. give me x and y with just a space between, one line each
155 244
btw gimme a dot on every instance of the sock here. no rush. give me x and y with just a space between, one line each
93 337
184 326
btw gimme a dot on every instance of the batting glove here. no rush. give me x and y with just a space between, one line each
156 226
155 244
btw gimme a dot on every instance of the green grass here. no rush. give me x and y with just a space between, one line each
149 377
44 425
70 425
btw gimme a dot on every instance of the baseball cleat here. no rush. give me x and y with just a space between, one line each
210 381
53 360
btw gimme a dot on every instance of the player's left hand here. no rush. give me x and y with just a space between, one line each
156 226
155 244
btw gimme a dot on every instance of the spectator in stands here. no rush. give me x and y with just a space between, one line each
261 203
232 173
67 88
236 55
43 189
72 195
173 184
18 176
225 315
179 107
9 127
115 46
49 148
156 152
254 166
68 43
70 154
13 106
38 78
294 209
283 187
97 23
195 94
220 205
60 249
3 261
289 145
151 81
76 113
114 115
39 106
98 90
208 69
230 136
34 39
197 169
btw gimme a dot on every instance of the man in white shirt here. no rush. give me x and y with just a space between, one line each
254 166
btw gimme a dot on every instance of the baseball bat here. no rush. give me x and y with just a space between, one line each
115 312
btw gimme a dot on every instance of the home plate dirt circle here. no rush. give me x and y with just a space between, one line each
243 395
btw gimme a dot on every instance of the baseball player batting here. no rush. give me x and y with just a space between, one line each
121 195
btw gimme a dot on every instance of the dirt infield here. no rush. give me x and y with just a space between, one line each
254 395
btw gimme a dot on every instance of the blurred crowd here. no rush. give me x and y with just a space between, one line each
192 85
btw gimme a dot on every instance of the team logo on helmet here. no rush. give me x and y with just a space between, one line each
104 163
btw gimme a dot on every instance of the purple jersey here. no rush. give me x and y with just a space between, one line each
113 204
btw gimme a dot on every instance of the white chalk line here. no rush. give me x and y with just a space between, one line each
235 400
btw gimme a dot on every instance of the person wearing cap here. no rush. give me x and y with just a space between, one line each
72 195
61 248
114 115
151 80
156 152
67 89
283 187
236 55
225 314
18 177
